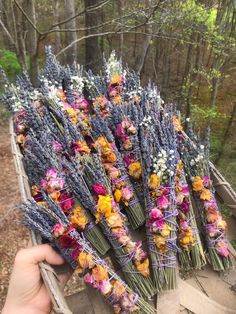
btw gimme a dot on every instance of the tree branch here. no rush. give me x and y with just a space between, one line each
27 18
7 33
129 15
124 32
89 9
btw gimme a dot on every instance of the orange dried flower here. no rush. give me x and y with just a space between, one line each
114 220
85 261
161 244
177 124
78 218
197 184
104 206
118 288
100 273
205 195
153 181
135 170
117 195
111 157
55 196
143 267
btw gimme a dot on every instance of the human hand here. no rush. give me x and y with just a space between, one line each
27 293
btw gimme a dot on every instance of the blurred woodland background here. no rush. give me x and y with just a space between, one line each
186 47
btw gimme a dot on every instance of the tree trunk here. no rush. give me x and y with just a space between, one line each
121 39
71 55
92 50
21 49
226 134
193 79
56 18
165 68
188 63
7 21
142 54
32 39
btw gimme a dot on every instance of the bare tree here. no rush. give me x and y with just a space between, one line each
56 19
92 49
32 40
226 134
70 36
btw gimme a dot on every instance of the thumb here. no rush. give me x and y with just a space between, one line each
37 254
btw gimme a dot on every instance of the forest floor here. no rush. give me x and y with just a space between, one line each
12 234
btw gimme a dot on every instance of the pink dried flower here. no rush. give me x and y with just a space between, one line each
157 225
127 193
65 241
119 232
127 302
120 130
66 202
58 230
56 183
128 159
185 207
206 181
184 225
222 249
89 279
185 190
155 214
75 253
163 202
114 173
212 231
179 198
99 189
51 173
43 184
210 204
105 287
57 147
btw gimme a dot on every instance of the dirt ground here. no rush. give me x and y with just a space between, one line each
12 234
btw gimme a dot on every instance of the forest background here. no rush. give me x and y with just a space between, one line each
187 48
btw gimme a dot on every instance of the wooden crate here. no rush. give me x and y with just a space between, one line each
185 298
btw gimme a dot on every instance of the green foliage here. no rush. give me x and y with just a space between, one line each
200 15
227 165
9 62
233 243
226 212
215 143
4 114
205 113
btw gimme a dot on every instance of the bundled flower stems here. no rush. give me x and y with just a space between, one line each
41 163
134 259
122 188
159 169
53 225
103 155
191 254
197 166
96 195
126 133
